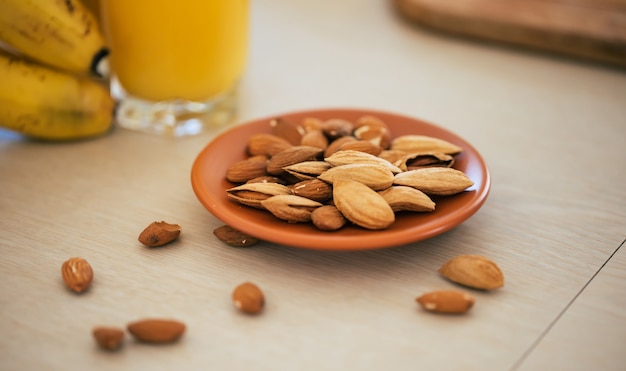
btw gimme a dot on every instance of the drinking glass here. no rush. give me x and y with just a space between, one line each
175 64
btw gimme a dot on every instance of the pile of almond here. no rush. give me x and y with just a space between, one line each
330 172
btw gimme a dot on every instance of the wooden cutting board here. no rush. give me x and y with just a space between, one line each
589 29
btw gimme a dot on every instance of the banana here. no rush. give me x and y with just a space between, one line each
60 33
47 104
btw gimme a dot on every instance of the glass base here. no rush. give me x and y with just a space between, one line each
176 117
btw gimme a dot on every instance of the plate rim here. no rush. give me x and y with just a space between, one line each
330 240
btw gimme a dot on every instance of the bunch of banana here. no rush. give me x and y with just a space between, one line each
60 33
49 104
48 89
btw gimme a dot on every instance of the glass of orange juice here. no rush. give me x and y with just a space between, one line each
176 64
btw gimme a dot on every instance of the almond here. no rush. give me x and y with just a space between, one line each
337 128
361 205
248 298
446 301
244 170
314 189
351 157
440 181
266 144
109 338
362 146
287 130
375 176
421 160
402 198
473 271
156 330
292 156
307 169
337 143
376 134
392 155
328 218
291 208
77 274
267 179
371 121
159 234
233 237
314 138
424 144
251 194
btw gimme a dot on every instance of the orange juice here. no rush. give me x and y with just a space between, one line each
177 49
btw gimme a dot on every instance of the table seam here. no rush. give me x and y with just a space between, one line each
543 334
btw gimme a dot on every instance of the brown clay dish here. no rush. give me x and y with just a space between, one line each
209 184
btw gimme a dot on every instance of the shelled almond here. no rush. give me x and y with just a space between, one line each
108 338
159 234
302 163
77 274
248 298
473 271
156 330
446 301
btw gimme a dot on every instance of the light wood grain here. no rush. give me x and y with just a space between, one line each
551 131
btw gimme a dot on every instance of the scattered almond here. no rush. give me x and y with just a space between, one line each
233 237
77 274
473 271
156 330
248 298
159 234
446 301
109 338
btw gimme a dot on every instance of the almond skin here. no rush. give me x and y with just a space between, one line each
248 298
159 234
473 271
108 338
77 274
156 330
446 301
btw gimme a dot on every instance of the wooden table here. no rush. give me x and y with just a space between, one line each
552 131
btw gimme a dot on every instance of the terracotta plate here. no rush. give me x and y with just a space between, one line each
209 184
